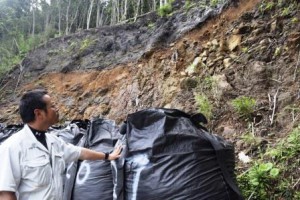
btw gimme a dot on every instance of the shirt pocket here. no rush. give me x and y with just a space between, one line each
37 172
59 163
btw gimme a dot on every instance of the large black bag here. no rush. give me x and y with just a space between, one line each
169 156
94 179
76 134
9 130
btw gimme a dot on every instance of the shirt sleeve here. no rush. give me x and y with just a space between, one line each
10 169
70 152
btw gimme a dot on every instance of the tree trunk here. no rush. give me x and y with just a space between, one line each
33 17
67 18
124 15
75 16
98 13
137 10
59 17
113 13
89 14
154 5
161 3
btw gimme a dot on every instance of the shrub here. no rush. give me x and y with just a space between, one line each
214 3
165 10
204 105
272 175
258 180
244 106
85 44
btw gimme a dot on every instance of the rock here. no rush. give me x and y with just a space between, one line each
257 31
233 56
285 98
76 87
258 67
227 62
223 46
193 67
228 131
183 73
167 106
265 41
96 111
204 53
222 82
234 41
215 42
210 64
218 58
294 40
273 26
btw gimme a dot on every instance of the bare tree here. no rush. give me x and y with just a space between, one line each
89 14
33 7
59 16
124 14
67 18
100 13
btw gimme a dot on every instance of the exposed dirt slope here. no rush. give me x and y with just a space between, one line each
154 80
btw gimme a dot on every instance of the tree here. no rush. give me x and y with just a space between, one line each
88 20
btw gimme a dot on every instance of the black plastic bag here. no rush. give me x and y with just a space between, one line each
169 156
9 130
94 179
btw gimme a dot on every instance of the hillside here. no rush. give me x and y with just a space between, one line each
194 61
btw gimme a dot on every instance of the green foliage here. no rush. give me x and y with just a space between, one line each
7 63
295 20
72 46
245 49
269 5
251 139
204 105
284 8
14 51
258 180
50 32
286 11
277 52
244 106
214 3
189 83
188 5
151 25
274 176
85 44
287 148
209 83
165 10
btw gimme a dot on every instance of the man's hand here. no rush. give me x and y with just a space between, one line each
87 154
115 154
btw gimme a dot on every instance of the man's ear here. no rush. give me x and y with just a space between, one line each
37 113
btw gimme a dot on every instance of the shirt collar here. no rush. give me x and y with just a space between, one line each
34 141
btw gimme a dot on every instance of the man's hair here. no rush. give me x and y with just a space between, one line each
30 101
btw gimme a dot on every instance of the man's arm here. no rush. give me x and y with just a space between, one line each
4 195
87 154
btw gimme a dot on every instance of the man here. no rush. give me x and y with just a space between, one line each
32 161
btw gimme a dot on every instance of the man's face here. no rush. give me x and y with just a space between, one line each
51 116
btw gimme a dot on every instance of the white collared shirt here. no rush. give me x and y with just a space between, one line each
32 171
